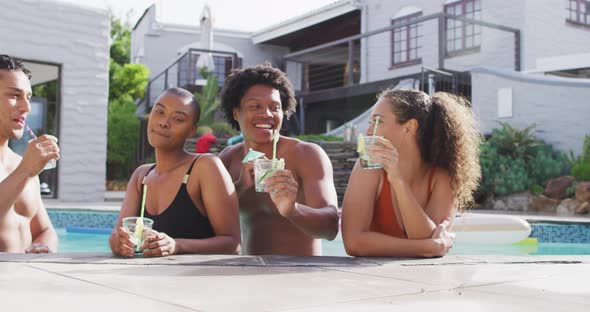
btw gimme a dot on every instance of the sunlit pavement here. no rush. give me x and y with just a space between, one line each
101 282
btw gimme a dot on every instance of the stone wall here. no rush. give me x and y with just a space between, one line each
554 200
343 156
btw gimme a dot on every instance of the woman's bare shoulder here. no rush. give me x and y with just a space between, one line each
142 170
137 177
208 164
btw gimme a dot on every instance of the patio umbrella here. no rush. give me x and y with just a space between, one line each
206 58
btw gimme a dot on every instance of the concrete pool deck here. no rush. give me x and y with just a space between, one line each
101 282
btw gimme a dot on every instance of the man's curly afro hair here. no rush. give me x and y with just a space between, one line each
241 80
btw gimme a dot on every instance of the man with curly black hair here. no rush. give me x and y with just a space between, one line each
24 223
299 206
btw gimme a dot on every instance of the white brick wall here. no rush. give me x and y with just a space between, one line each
544 33
78 39
547 34
558 106
376 52
497 47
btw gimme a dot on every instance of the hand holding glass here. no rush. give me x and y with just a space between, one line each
263 168
138 228
52 163
363 143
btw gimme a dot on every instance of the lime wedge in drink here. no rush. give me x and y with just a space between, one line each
360 144
264 176
277 164
138 230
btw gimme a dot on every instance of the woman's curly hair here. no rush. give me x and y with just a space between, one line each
241 80
448 136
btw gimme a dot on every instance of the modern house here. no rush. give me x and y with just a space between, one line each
523 62
170 51
67 49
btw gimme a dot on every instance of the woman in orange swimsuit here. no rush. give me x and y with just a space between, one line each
429 151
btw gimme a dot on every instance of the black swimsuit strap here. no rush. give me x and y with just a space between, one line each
188 172
190 169
146 174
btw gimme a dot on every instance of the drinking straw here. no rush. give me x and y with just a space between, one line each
143 198
30 131
139 222
32 134
375 126
275 140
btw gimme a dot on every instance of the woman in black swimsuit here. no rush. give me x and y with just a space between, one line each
190 197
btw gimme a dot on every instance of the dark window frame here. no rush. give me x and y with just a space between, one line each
476 30
408 38
575 9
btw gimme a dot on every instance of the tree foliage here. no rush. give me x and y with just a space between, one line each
120 40
127 83
209 101
581 165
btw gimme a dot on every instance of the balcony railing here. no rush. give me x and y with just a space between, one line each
183 72
402 49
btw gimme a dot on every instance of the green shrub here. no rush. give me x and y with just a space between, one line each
571 191
546 164
513 142
502 174
586 148
511 176
122 138
515 160
581 170
319 137
580 166
536 189
209 101
127 83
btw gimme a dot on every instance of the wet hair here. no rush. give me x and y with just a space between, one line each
12 64
186 95
448 136
238 83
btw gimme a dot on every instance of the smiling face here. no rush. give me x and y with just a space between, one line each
259 113
171 121
15 93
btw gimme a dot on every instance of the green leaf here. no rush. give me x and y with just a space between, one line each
209 101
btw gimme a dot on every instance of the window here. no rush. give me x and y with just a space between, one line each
463 36
579 12
404 41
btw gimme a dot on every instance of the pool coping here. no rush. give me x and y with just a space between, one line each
281 283
106 206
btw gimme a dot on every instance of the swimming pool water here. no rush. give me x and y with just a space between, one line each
522 250
82 242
